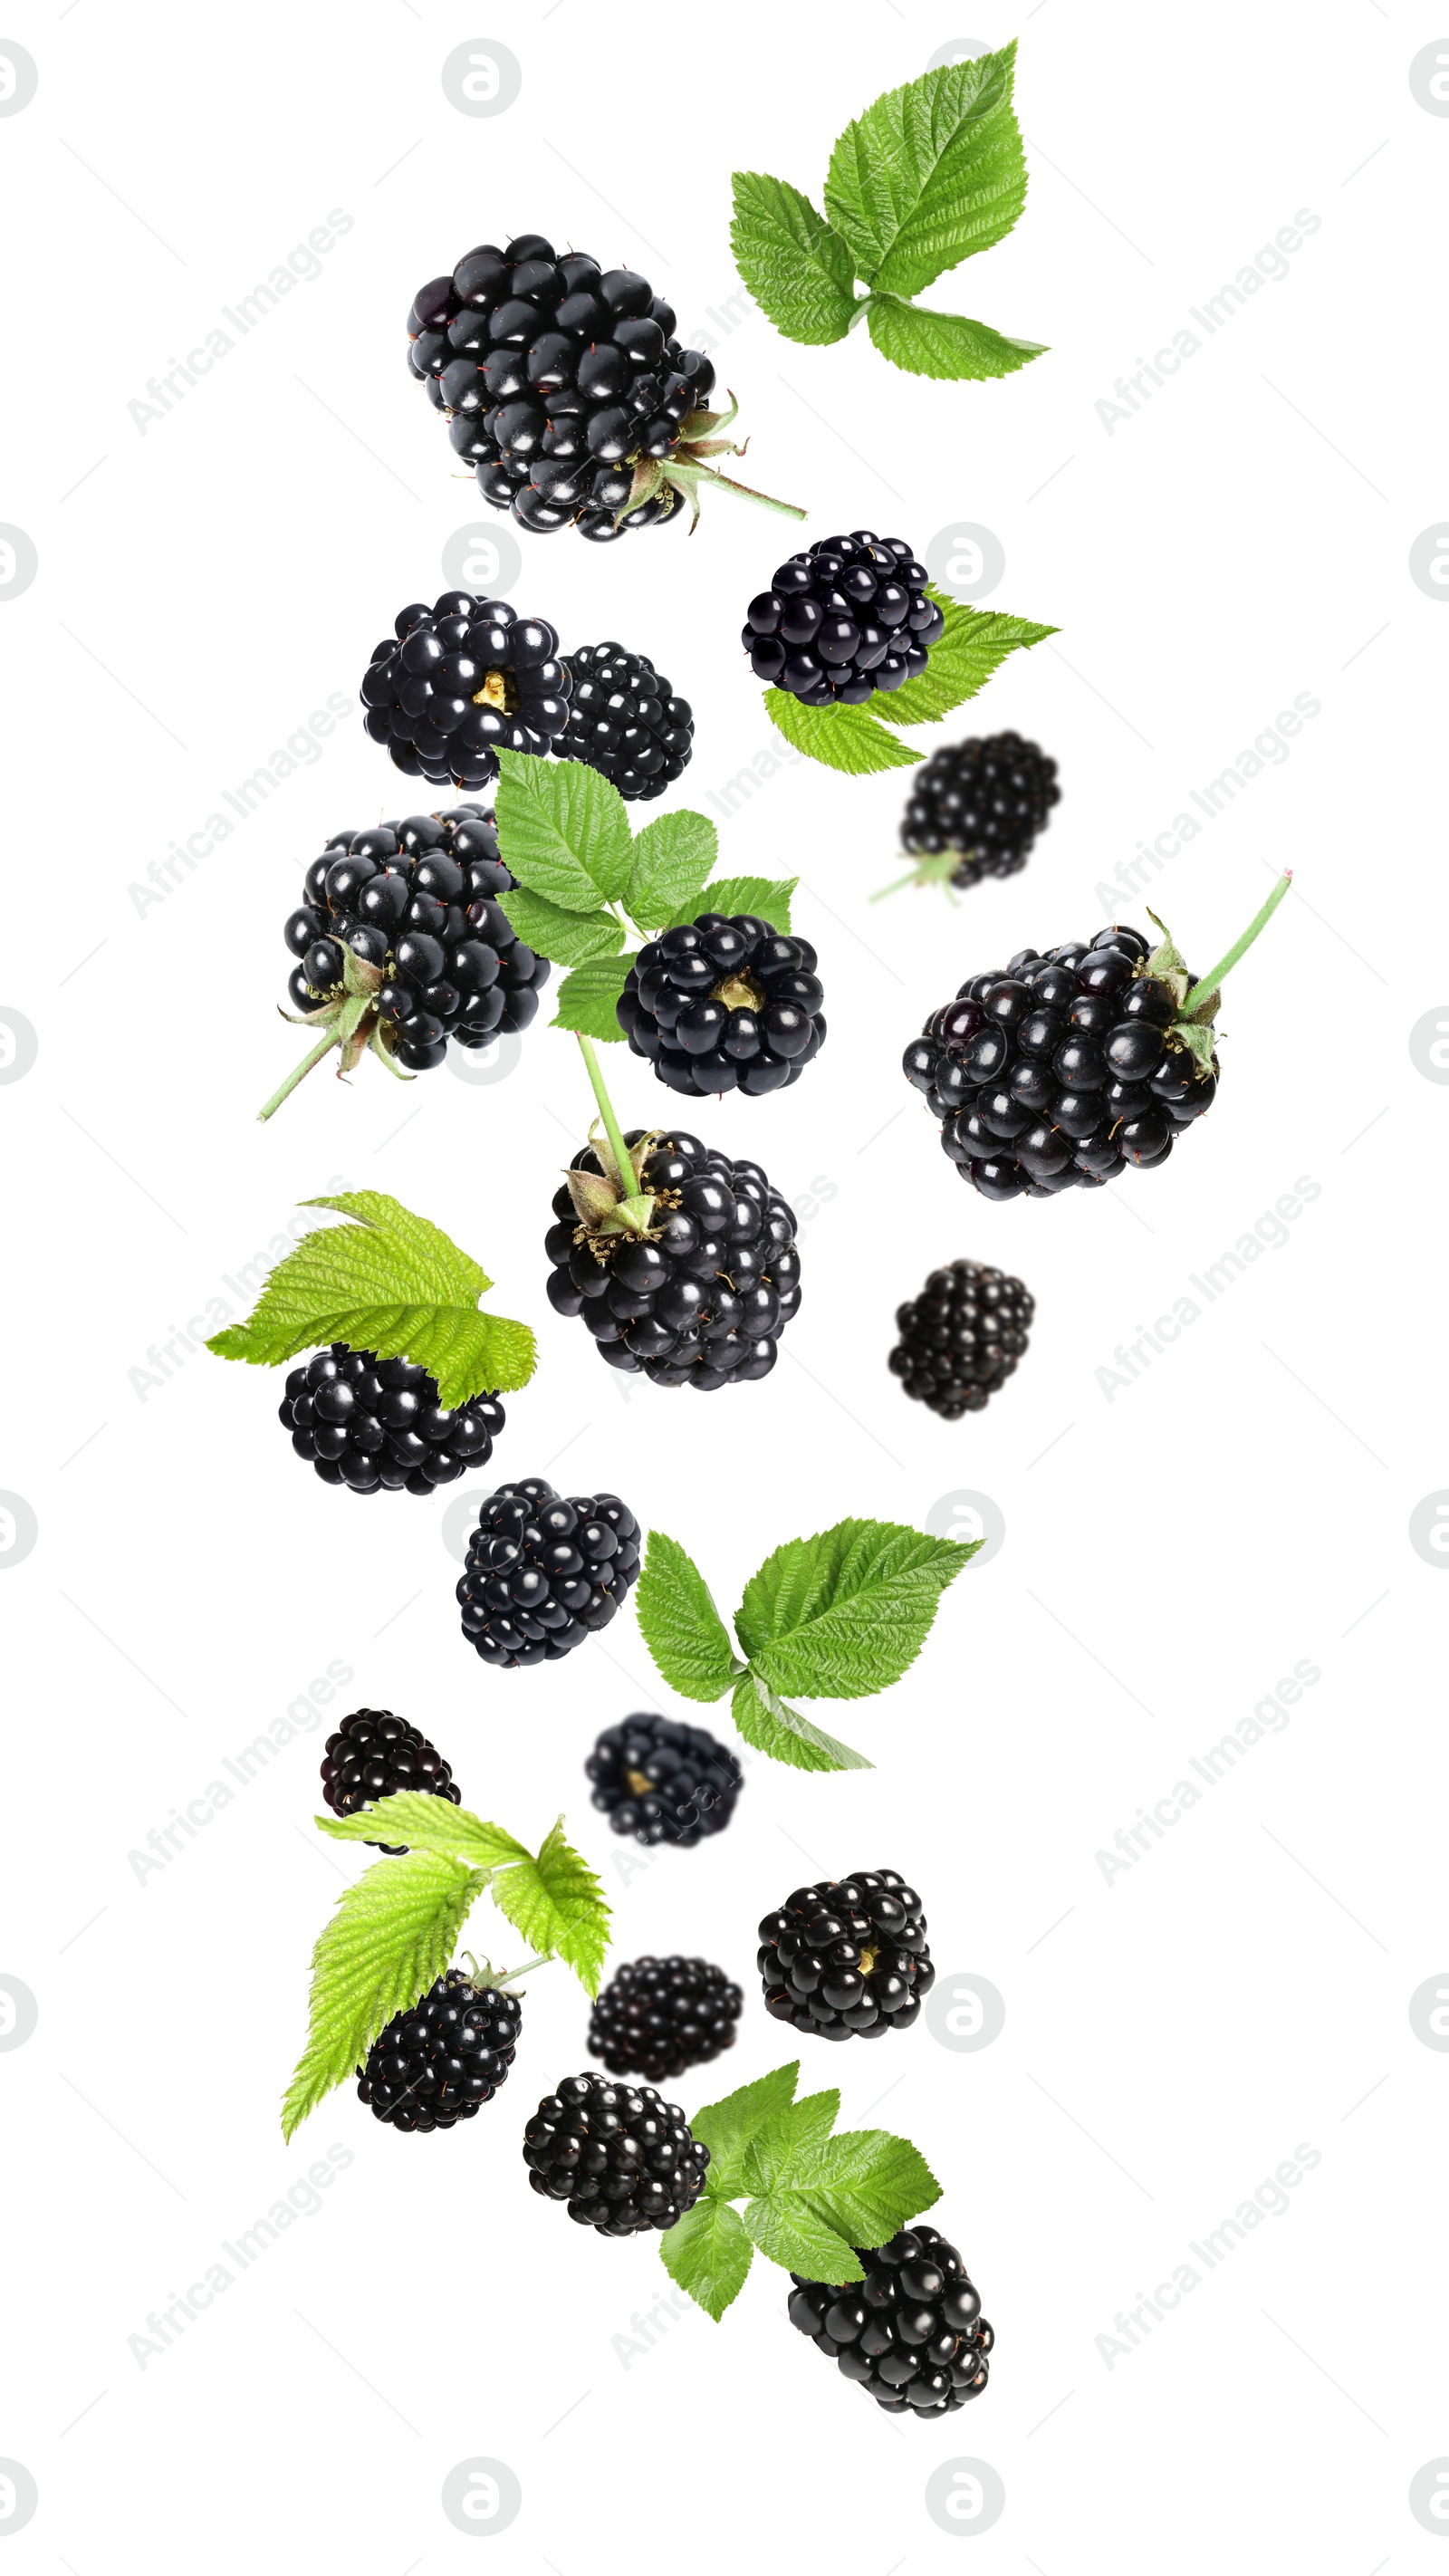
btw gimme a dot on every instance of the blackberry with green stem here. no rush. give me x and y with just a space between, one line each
439 2062
975 810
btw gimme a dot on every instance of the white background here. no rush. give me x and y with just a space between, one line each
1172 2035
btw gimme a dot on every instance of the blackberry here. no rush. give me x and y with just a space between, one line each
656 2017
368 1423
847 1959
975 809
622 2159
911 2333
439 2063
372 1755
843 619
701 1298
724 1002
626 722
961 1338
663 1782
457 683
544 1571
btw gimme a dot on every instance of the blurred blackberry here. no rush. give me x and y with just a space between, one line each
457 683
374 1754
841 620
622 2159
961 1338
724 1001
544 1571
368 1423
439 2063
976 807
663 1782
911 2333
656 2017
625 721
847 1959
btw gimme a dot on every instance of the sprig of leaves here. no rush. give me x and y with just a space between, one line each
974 643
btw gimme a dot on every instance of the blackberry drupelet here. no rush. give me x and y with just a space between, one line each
544 1571
439 2063
842 619
622 2159
656 2017
663 1782
724 1003
847 1959
372 1755
457 683
702 1298
375 1424
911 2333
961 1338
975 808
625 721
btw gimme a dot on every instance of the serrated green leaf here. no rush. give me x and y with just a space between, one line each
772 1726
427 1824
767 897
393 1935
944 344
845 738
864 2183
789 2231
975 643
930 173
562 830
681 1626
798 270
726 2127
587 997
391 1283
783 2138
569 938
557 1904
708 2253
673 855
841 1615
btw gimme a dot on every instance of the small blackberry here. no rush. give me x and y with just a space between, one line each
847 1959
439 2063
843 619
544 1571
701 1298
457 683
663 1782
723 1002
911 2333
656 2017
625 721
374 1754
368 1423
975 808
961 1338
622 2159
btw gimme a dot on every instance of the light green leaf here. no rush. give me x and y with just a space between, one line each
708 2253
393 1935
586 998
562 830
767 897
681 1626
427 1824
931 173
847 738
673 855
864 2183
569 938
975 643
841 1615
557 1904
772 1726
798 270
789 2231
943 344
727 2127
772 2148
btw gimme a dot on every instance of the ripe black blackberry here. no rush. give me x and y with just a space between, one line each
663 1782
976 807
843 619
625 721
457 683
724 1002
374 1754
961 1338
375 1424
622 2159
848 1958
911 2333
439 2063
656 2017
701 1297
544 1571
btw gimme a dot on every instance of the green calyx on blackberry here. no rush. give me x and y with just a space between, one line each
544 1571
457 683
377 1425
844 619
374 1754
961 1338
847 1959
440 2062
724 1003
622 2159
657 2017
1056 1072
975 809
663 1782
911 2333
625 721
566 390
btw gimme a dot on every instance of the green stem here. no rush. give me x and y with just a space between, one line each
612 1128
1209 983
324 1046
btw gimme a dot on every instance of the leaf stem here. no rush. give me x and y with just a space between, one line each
1208 984
612 1128
324 1046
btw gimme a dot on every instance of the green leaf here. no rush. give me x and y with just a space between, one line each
586 998
727 2127
569 938
708 2253
427 1824
845 738
798 270
864 2183
930 174
562 829
789 2231
975 643
768 897
557 1904
841 1615
672 857
391 1283
681 1626
391 1938
943 344
771 2149
767 1722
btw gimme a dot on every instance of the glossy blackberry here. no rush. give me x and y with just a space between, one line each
544 1571
418 899
656 2017
847 1959
374 1424
663 1782
374 1754
622 2159
980 805
457 683
626 722
841 620
911 2333
961 1338
439 2063
702 1300
724 1003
